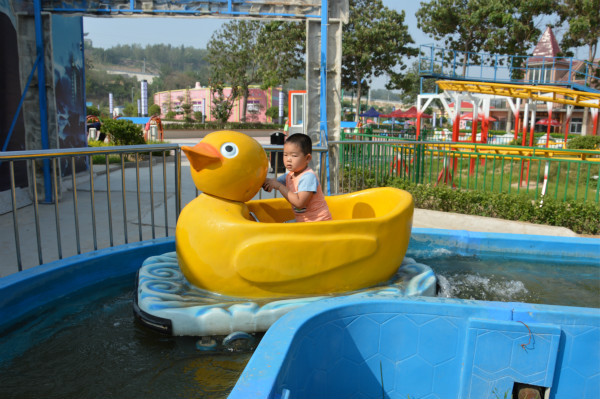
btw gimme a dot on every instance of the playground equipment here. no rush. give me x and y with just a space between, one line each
154 129
93 125
485 90
442 63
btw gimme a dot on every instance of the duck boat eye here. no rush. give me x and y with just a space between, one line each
229 150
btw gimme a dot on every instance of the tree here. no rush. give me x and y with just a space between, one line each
583 17
412 83
98 84
281 46
130 110
273 113
222 104
122 132
154 109
501 26
383 94
374 42
92 111
234 60
187 112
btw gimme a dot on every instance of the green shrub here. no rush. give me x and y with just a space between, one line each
154 109
273 113
93 111
581 217
584 143
157 153
116 158
123 132
101 159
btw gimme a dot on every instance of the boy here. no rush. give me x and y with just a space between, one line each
300 185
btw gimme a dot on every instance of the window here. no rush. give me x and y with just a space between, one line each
576 126
498 103
298 109
540 74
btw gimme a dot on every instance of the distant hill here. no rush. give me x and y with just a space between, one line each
171 67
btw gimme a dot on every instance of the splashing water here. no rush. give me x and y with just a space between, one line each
475 286
516 281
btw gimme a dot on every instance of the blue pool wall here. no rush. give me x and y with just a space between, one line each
434 347
24 292
425 348
582 251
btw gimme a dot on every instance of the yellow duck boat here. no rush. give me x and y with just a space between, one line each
221 248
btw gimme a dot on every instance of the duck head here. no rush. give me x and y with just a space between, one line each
228 165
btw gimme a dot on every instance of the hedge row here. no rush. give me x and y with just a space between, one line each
581 217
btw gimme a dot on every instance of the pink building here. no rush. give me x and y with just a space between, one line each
200 98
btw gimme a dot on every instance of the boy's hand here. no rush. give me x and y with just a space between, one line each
269 185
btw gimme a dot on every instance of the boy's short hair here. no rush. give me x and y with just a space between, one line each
301 140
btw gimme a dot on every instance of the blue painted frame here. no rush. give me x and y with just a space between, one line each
91 8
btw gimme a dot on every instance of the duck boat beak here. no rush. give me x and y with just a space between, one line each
201 155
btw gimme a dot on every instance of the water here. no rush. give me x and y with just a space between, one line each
89 346
95 349
517 281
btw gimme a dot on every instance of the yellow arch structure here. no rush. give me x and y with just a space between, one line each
542 93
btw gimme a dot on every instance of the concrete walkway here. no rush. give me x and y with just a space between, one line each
456 221
132 215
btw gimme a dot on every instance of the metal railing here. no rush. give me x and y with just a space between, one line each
117 195
135 193
442 62
374 134
92 207
559 174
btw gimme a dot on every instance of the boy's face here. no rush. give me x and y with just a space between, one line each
294 159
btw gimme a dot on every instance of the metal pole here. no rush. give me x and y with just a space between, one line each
15 217
177 183
75 207
323 94
36 213
39 44
56 207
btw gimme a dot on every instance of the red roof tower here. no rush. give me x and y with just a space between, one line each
547 46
